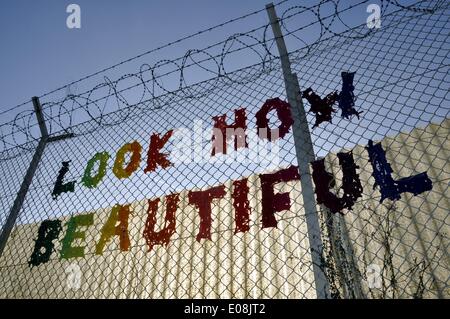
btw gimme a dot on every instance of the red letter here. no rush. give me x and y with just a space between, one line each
351 184
202 200
284 115
154 156
271 202
241 206
237 129
161 237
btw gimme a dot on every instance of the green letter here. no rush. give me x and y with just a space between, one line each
92 181
67 250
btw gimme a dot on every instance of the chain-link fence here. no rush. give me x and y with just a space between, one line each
137 195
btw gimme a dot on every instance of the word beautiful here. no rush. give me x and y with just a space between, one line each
271 202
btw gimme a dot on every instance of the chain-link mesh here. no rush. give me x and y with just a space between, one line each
140 231
388 249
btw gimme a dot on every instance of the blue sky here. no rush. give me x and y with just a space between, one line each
39 53
401 82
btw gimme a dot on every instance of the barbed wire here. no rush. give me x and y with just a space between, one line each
143 54
401 88
153 94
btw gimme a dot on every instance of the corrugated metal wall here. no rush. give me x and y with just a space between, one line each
262 263
409 238
266 263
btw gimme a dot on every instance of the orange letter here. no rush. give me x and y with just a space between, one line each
161 237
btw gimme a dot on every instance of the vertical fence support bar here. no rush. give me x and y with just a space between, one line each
305 154
20 198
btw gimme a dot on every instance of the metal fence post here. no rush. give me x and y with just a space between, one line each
20 198
305 154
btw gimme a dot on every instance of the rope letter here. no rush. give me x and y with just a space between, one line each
202 200
226 131
271 202
382 172
161 237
